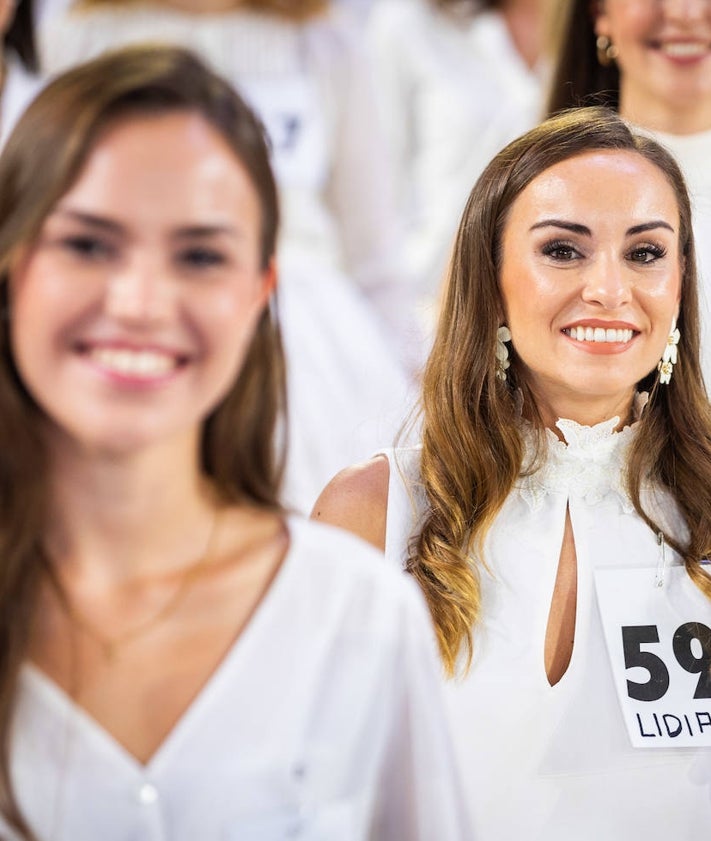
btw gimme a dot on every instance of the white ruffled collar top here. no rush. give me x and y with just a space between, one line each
589 464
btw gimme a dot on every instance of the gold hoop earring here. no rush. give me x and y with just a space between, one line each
607 52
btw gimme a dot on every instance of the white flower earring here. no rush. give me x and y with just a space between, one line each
503 335
670 355
607 52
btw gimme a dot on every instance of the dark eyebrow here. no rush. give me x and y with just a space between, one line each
649 226
186 232
90 219
202 231
575 228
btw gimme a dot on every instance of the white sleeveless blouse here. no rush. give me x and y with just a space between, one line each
555 762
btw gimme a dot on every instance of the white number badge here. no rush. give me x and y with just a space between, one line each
290 111
659 642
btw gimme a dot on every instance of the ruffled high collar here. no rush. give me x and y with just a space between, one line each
590 463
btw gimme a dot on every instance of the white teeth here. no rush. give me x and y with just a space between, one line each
141 363
680 49
599 334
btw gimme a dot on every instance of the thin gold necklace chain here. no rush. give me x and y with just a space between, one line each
110 644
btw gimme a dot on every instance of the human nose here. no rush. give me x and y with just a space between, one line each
685 11
607 285
140 293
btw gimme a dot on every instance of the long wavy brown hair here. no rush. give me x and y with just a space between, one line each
43 157
472 449
294 9
578 78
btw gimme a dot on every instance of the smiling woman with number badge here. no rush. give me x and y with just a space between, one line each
558 512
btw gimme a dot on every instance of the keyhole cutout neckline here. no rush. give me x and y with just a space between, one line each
560 630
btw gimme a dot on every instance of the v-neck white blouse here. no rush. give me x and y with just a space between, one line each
322 723
555 763
19 89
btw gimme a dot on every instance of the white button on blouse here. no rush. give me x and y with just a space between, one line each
147 794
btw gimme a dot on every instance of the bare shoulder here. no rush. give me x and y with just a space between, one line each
356 499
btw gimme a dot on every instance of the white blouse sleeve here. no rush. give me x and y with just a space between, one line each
359 190
420 797
391 35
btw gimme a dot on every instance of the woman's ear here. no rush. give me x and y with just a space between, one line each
269 279
601 22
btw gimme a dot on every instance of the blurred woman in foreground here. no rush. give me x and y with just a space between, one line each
179 658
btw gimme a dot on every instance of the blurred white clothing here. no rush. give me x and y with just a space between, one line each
18 90
452 92
693 154
359 8
323 722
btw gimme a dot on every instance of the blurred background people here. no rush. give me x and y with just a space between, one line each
351 340
359 8
456 80
651 60
18 61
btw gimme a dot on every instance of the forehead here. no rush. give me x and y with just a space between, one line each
614 186
175 163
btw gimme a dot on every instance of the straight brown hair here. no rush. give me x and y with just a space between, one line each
578 78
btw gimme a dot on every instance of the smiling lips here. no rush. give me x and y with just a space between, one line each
600 334
684 50
142 364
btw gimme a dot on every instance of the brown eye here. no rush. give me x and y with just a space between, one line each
561 251
647 253
199 258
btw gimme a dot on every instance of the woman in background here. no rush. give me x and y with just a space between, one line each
350 342
652 63
18 61
180 659
457 81
557 515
